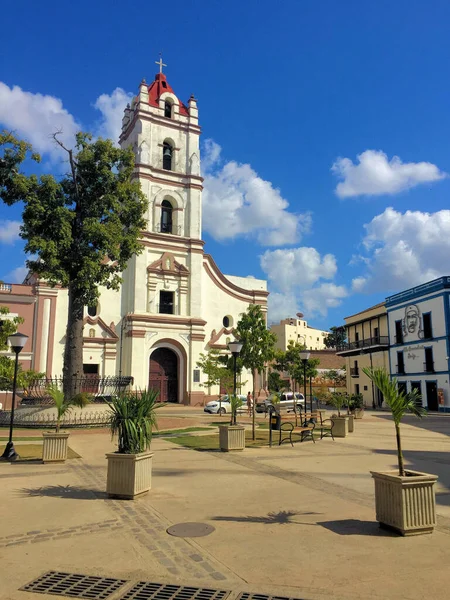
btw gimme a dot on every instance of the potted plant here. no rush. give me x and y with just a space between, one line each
340 422
130 467
357 405
404 499
55 443
232 436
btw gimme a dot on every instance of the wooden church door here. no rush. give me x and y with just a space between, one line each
164 374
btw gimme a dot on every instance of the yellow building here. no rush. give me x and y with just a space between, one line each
367 345
299 331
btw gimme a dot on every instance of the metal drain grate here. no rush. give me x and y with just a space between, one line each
249 596
74 585
159 591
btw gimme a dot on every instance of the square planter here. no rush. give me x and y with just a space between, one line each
54 447
358 413
340 426
231 437
405 504
129 475
351 424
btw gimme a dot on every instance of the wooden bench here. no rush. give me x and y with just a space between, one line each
304 427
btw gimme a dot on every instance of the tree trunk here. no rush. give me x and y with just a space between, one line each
254 404
73 351
401 466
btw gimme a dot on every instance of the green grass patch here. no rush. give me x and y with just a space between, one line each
204 443
186 430
33 452
36 438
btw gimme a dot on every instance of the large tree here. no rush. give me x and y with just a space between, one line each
81 229
292 362
335 338
258 345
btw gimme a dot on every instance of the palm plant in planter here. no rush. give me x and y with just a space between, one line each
232 436
55 444
132 422
356 404
340 422
405 499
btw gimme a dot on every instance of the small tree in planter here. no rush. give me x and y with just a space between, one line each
55 444
405 499
356 405
133 420
340 422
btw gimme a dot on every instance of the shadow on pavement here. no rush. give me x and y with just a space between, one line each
356 527
283 517
63 491
431 422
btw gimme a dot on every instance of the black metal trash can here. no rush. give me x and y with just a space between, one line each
275 421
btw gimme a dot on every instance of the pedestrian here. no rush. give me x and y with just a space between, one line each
249 404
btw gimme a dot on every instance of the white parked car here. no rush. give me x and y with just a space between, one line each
215 407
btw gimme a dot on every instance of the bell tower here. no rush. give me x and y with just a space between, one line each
164 134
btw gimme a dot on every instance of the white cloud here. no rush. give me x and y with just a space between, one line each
404 249
36 117
296 277
9 232
374 175
112 106
237 202
17 275
297 267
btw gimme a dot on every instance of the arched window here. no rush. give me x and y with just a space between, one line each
166 217
168 109
167 156
92 310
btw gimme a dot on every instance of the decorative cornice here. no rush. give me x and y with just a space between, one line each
161 319
175 268
99 321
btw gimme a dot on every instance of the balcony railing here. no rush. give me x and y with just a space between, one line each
380 340
428 367
6 287
354 372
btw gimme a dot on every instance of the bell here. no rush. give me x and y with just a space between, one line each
168 152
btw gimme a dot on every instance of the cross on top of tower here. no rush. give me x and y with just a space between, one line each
160 63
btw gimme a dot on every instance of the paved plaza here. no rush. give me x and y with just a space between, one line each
288 521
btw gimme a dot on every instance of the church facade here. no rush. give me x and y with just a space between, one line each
174 303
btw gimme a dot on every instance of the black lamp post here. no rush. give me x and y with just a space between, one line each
235 348
17 341
304 355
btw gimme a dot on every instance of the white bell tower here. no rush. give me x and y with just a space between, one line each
164 134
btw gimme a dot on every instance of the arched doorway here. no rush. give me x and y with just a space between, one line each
164 374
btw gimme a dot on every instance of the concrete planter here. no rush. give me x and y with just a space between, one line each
405 504
129 475
340 426
358 413
54 447
231 437
351 424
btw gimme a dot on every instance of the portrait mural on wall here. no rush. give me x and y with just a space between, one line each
412 321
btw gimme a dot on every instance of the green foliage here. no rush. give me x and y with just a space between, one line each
133 420
276 384
63 405
83 228
356 401
335 338
334 376
398 402
337 401
258 345
7 326
25 379
291 362
235 404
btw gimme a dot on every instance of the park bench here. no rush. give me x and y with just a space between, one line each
304 427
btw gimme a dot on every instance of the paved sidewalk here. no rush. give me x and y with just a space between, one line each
288 521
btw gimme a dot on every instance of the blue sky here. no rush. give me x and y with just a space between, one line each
285 91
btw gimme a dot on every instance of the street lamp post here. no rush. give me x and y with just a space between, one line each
17 341
235 348
304 355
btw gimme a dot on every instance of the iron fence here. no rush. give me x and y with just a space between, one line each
100 388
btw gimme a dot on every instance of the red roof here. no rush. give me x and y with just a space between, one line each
158 87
